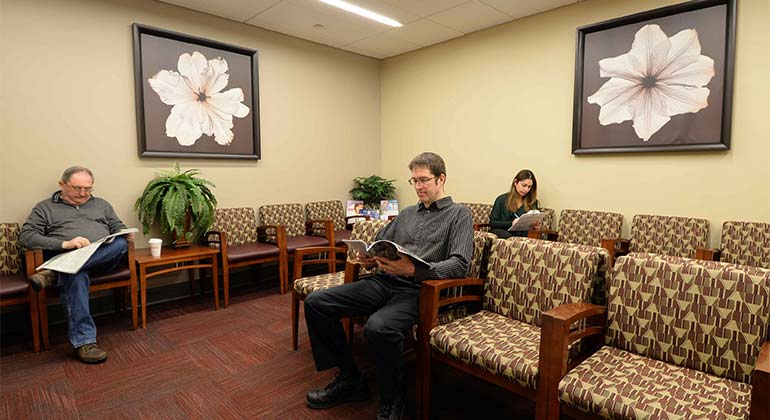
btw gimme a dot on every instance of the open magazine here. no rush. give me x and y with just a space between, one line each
382 248
71 262
526 220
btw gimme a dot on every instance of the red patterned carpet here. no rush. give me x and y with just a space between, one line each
196 363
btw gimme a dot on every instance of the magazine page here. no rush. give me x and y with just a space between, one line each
354 207
388 208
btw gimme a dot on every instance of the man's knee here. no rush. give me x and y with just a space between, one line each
377 328
314 302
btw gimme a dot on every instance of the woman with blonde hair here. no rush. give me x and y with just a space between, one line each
509 206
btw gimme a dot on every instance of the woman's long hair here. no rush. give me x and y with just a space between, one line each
513 202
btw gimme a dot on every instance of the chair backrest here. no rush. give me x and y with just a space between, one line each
746 243
479 212
482 241
528 276
10 257
327 210
548 219
239 223
587 227
366 230
669 235
704 315
292 216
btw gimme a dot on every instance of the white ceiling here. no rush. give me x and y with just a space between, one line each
426 22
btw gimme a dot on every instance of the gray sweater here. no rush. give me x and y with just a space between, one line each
53 221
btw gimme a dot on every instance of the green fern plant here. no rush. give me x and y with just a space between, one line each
372 189
169 197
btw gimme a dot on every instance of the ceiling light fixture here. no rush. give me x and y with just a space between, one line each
362 12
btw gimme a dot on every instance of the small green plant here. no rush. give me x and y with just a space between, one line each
372 189
170 197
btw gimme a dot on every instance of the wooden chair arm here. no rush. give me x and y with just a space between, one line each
708 254
331 257
431 299
32 259
559 330
545 234
617 247
321 224
479 226
760 385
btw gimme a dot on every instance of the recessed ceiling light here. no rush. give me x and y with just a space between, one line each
362 12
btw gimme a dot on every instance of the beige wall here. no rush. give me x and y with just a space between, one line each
67 87
500 100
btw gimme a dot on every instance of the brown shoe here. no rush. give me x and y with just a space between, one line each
42 279
91 353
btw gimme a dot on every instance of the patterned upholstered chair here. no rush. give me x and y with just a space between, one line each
480 214
501 343
683 338
745 243
303 286
121 280
14 288
664 235
242 243
335 211
299 232
586 227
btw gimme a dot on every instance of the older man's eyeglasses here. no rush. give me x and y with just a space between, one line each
420 181
80 189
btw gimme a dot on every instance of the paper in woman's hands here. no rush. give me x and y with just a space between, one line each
525 221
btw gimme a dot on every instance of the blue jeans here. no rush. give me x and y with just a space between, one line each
75 294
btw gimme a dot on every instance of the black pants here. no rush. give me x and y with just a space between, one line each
505 234
392 304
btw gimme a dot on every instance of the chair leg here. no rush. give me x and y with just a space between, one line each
295 299
226 284
34 319
43 310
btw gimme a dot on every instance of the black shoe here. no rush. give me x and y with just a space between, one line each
340 390
392 410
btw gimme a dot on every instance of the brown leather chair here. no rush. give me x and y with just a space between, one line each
14 288
299 232
242 243
123 278
333 210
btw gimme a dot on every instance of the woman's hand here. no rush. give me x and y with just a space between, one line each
536 226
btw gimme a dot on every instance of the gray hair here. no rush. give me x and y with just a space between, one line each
72 170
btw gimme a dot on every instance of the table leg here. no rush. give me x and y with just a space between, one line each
215 280
143 289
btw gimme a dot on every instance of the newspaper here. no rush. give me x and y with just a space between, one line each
526 220
71 262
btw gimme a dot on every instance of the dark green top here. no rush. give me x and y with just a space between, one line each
501 217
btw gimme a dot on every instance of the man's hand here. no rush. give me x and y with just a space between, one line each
129 236
400 267
365 261
76 242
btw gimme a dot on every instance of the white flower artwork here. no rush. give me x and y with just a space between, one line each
198 104
660 77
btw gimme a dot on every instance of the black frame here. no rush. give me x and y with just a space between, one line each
727 69
141 87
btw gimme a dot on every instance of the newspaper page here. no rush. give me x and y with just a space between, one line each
71 262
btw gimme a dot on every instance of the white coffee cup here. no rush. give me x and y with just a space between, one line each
155 244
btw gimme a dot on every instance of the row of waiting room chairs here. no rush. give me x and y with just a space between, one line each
524 341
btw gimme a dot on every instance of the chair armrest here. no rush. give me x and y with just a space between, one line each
708 254
559 330
617 247
32 259
545 234
479 226
331 257
760 385
328 229
431 299
349 225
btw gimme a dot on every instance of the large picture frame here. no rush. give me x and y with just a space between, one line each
660 80
195 98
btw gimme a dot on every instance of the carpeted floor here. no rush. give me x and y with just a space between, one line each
194 362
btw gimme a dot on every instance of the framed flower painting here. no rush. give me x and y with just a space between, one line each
195 97
660 80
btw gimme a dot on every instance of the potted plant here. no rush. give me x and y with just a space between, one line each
180 202
372 189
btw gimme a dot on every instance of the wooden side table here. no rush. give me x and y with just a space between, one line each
171 260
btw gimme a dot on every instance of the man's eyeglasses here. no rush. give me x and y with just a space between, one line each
420 181
80 189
